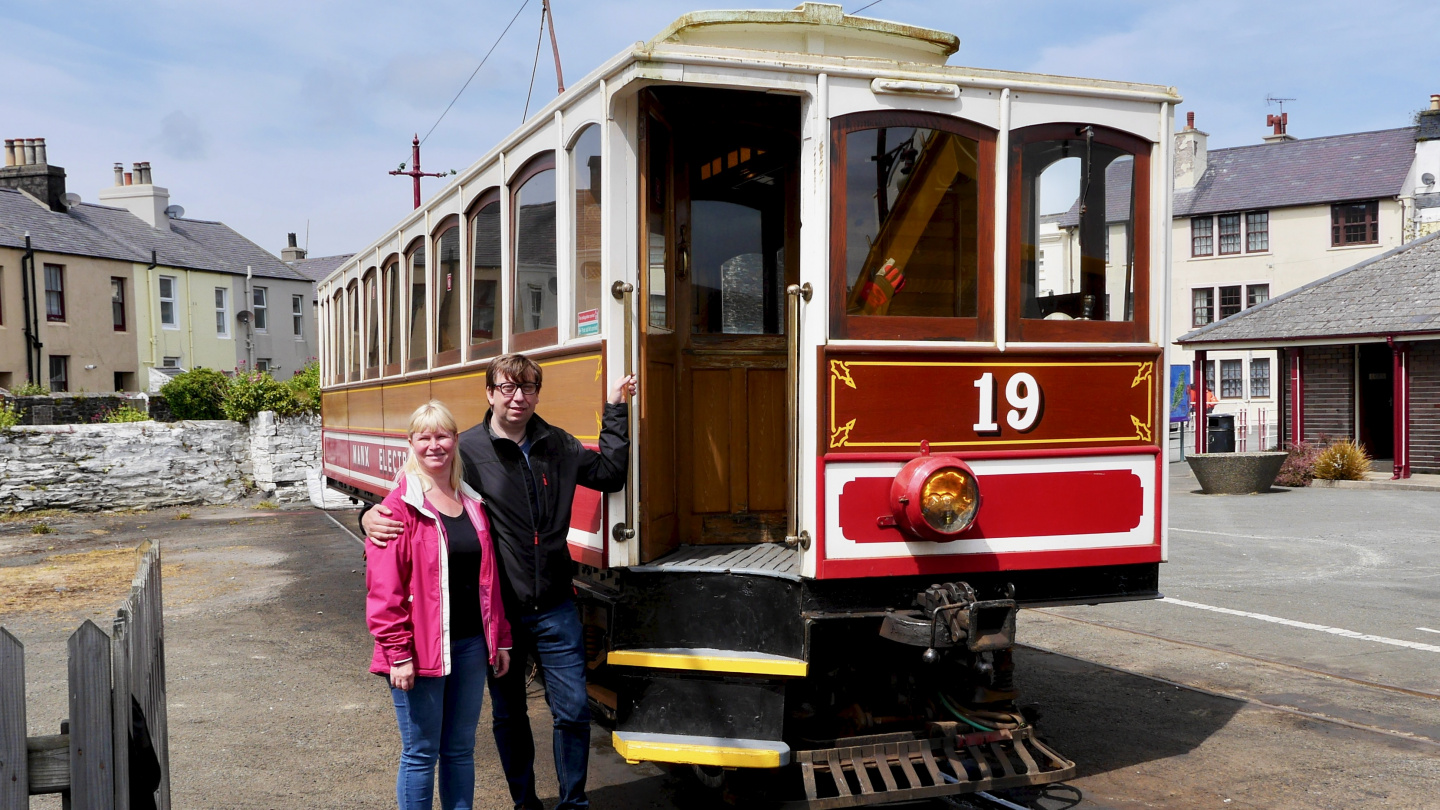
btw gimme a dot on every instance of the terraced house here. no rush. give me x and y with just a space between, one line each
122 294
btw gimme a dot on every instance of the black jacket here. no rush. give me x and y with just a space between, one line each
534 555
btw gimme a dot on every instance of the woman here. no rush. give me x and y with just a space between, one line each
434 609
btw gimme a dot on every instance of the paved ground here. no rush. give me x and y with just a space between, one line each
1163 704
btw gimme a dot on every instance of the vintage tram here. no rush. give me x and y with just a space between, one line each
898 328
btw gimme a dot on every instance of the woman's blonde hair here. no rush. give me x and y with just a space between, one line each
433 415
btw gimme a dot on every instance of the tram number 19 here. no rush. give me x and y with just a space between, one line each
1023 395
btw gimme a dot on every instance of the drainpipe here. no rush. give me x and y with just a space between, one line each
249 322
190 316
32 315
1400 401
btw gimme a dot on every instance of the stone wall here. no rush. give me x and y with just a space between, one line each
146 465
84 409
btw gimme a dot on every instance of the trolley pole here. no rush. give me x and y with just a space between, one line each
414 171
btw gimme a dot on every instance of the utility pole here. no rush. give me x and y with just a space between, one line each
414 170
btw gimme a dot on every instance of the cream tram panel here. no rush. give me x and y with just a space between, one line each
1140 118
856 94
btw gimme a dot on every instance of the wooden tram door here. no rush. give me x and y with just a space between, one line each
719 242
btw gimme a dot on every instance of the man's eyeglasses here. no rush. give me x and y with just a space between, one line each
509 388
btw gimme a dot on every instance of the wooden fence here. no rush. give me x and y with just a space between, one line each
113 753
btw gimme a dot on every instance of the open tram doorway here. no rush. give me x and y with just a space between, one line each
719 231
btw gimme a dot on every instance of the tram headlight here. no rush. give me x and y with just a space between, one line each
935 498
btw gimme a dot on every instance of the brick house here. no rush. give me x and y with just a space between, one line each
1360 353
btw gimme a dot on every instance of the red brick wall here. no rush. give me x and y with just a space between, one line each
1329 380
1425 407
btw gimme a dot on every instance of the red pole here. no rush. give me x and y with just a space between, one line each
1400 401
414 172
1201 440
1297 401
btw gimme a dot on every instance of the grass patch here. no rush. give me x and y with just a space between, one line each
83 581
182 516
41 528
33 514
267 505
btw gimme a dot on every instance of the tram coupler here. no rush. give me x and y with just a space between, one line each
950 614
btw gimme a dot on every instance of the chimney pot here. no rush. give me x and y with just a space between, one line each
29 152
129 178
1435 101
119 174
9 151
40 152
1190 120
292 240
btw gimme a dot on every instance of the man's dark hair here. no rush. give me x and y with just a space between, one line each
517 367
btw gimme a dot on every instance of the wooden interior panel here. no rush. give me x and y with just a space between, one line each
739 447
766 440
710 441
658 516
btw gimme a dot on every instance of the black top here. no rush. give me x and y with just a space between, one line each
530 535
464 545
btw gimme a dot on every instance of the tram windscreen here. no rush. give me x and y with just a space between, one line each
1077 216
912 219
738 249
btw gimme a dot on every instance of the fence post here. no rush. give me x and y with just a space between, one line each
92 761
151 603
14 770
120 700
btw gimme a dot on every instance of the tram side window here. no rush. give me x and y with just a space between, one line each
416 353
918 241
536 282
1082 199
353 293
585 163
447 297
337 334
372 324
392 317
485 280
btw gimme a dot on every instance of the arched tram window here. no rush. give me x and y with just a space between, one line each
393 328
415 350
372 325
533 316
447 296
1084 189
485 276
915 199
585 166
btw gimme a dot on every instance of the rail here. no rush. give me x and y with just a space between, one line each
624 293
795 295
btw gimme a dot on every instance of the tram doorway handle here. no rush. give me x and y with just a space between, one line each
623 292
795 295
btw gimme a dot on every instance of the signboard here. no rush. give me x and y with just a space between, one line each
1179 394
587 322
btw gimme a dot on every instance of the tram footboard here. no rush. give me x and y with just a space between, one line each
878 769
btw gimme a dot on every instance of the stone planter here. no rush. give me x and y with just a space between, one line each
1236 473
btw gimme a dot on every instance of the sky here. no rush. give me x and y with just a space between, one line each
278 117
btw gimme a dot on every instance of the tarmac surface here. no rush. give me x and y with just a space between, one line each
1171 704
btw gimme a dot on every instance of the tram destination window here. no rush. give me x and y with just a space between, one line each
585 165
916 254
536 302
447 298
415 356
1085 187
485 277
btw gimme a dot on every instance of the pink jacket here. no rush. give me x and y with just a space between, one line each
408 606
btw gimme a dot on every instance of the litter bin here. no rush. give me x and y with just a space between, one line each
1220 433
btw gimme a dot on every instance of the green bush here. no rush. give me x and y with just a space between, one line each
197 394
9 416
30 389
1343 461
251 392
126 413
306 386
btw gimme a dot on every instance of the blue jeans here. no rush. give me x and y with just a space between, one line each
437 720
555 637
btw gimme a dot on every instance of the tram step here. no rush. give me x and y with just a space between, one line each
705 659
907 767
686 749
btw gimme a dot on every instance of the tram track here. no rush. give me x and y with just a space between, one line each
1238 694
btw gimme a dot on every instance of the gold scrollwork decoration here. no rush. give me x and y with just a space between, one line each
1142 429
841 372
1142 374
841 435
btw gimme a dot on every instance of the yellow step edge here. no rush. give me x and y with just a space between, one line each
701 662
683 753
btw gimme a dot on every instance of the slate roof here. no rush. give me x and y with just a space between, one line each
115 233
1397 292
318 268
1336 168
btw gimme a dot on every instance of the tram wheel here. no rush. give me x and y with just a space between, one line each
711 776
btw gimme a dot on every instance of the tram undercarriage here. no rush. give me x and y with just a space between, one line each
845 693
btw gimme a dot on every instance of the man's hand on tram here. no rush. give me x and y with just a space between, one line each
628 385
379 526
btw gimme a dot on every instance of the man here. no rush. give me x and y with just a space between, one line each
527 471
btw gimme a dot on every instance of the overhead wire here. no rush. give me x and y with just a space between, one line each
477 71
539 38
862 8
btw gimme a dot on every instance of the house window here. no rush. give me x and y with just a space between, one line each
260 309
1202 307
117 303
222 312
297 314
1229 301
1257 294
1232 380
1229 234
1260 377
54 293
262 364
1257 231
167 303
1202 236
1209 375
1355 224
59 370
170 362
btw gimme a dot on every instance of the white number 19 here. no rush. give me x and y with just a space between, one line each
1021 392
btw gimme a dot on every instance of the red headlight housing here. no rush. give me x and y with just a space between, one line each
935 497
